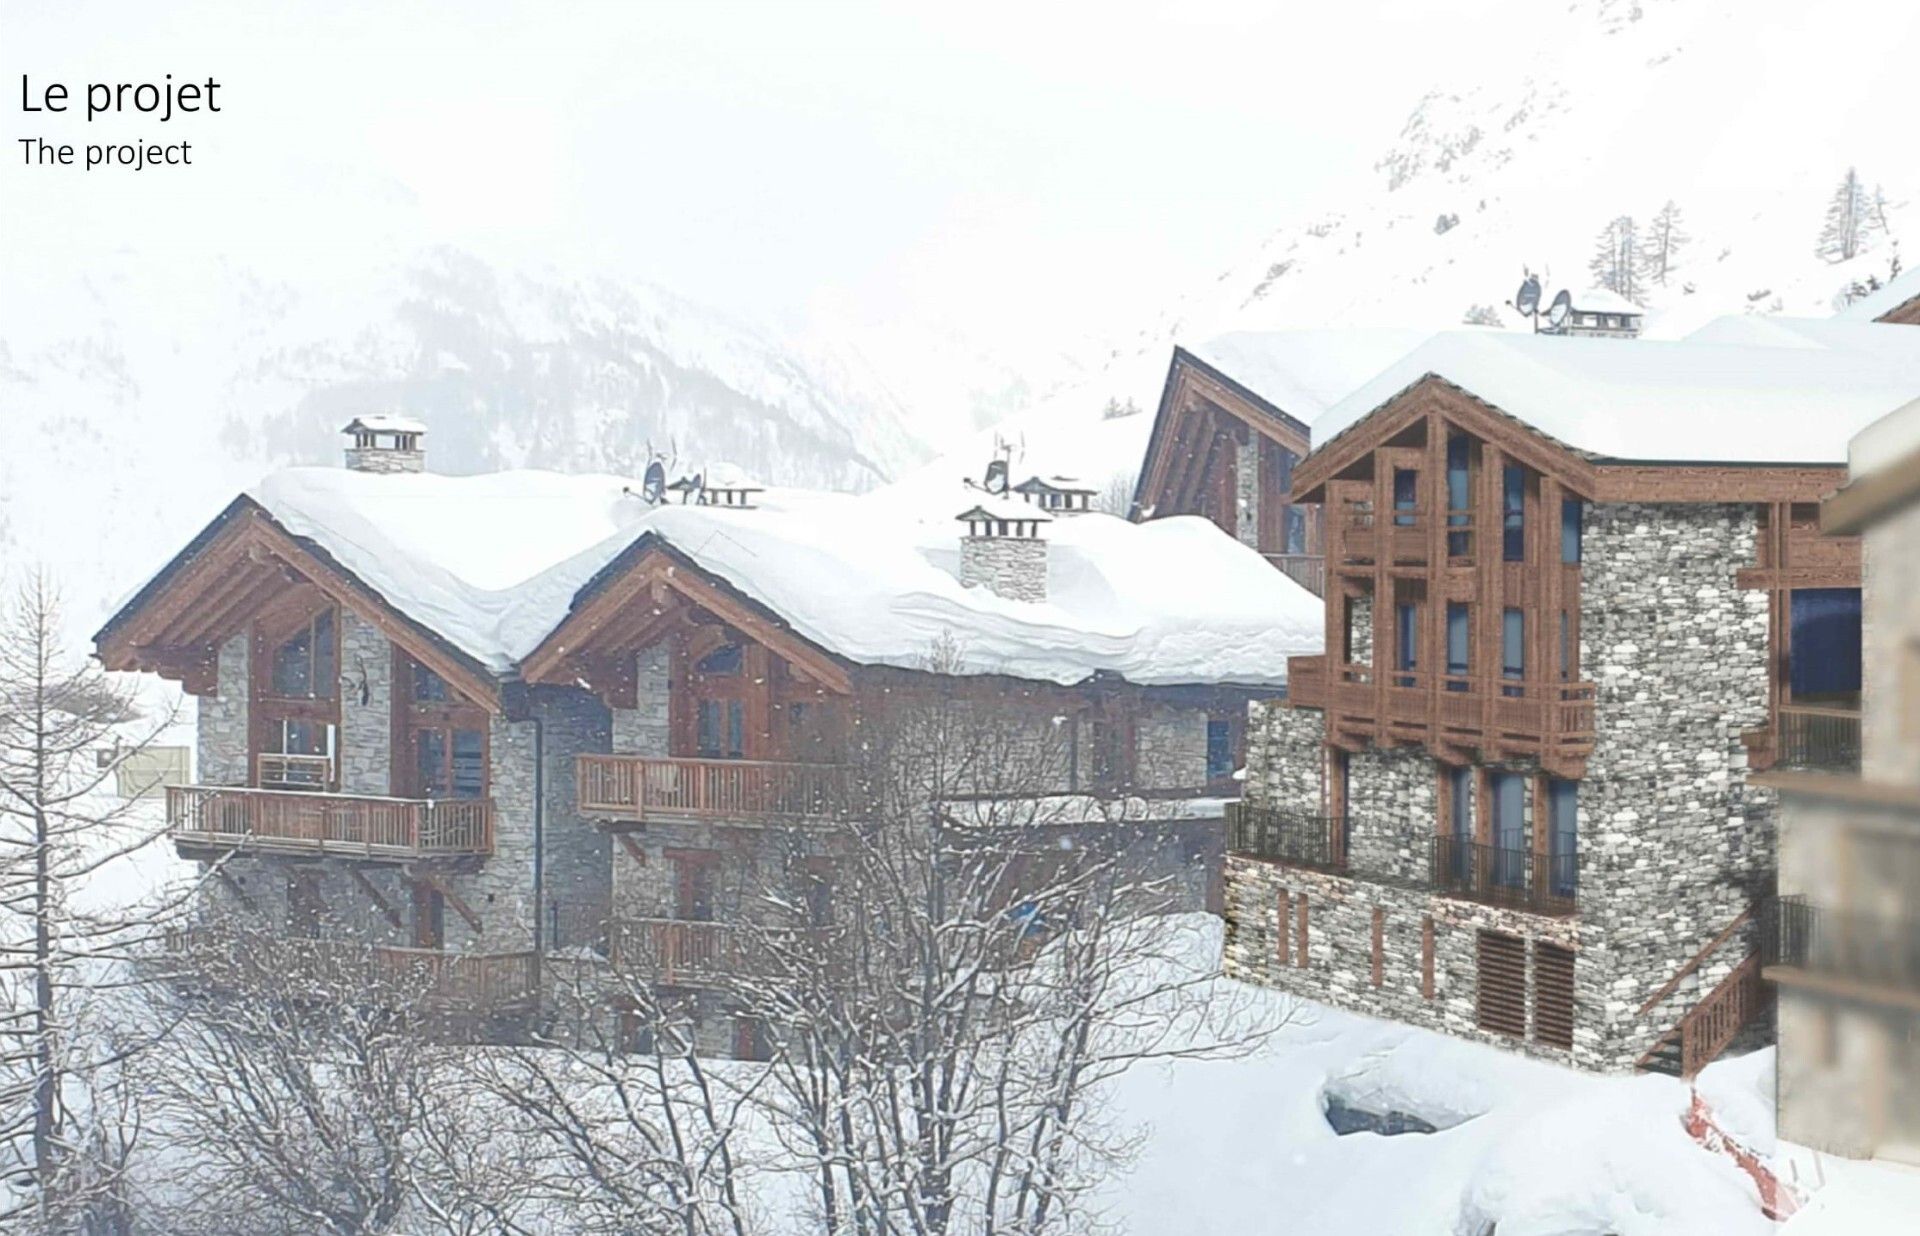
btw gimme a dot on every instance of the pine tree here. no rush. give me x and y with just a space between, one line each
1660 250
1849 221
1616 258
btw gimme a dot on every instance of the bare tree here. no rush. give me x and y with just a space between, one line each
65 731
1660 247
1853 216
940 1048
1615 264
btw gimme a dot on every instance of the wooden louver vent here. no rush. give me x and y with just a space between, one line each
1500 995
1553 995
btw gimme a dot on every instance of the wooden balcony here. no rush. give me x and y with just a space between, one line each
700 954
1401 534
1519 879
220 817
469 984
1498 717
1307 681
649 789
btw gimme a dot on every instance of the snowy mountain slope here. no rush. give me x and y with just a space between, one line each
1534 135
166 382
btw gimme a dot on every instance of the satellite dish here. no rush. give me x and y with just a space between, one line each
654 486
695 487
1527 299
996 476
1557 312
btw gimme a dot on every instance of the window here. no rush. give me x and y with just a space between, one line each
1563 837
449 763
724 661
1460 805
1823 650
1296 533
1552 995
1219 748
818 892
1513 649
1406 487
693 889
1459 495
1459 642
751 1040
1500 984
1513 513
428 687
721 729
1570 530
303 666
1407 626
1509 860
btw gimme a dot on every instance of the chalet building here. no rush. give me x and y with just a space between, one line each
1599 314
1234 417
465 723
1896 303
1842 947
1577 594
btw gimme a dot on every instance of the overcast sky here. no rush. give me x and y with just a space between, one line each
1036 168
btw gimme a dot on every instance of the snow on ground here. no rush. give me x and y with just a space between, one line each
1851 1198
1242 1145
494 562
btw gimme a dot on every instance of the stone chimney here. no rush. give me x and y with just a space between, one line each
1003 549
385 444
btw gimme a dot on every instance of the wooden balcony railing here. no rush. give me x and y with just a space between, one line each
1523 879
446 982
1401 531
1295 839
1884 952
642 788
352 826
1822 738
1509 716
1307 681
1307 570
293 772
680 951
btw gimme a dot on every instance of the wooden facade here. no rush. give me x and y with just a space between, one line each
1206 425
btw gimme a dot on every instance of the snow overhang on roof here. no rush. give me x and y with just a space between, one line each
381 422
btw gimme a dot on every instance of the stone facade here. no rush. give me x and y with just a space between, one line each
1009 566
1674 842
646 730
1170 749
385 459
220 737
366 708
1246 490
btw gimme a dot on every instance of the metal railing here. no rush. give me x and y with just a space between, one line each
1294 838
1823 738
637 787
1520 878
350 825
1844 944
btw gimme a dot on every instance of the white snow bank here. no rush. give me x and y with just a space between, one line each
493 563
1659 400
1898 291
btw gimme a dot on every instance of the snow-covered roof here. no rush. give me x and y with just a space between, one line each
1305 372
381 422
1064 484
1692 400
1604 300
983 505
494 562
1896 292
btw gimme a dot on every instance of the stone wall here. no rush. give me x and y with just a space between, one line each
220 730
1170 748
1246 490
646 729
1359 633
366 708
385 459
1012 567
1674 842
1286 755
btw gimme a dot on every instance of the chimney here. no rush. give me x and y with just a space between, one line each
385 444
1003 549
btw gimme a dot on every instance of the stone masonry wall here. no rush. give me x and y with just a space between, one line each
1360 631
1674 842
1012 567
1170 748
1246 488
1285 756
645 730
366 708
220 731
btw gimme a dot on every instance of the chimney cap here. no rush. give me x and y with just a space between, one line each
382 422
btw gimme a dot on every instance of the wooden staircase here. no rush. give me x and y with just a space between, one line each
1711 1025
